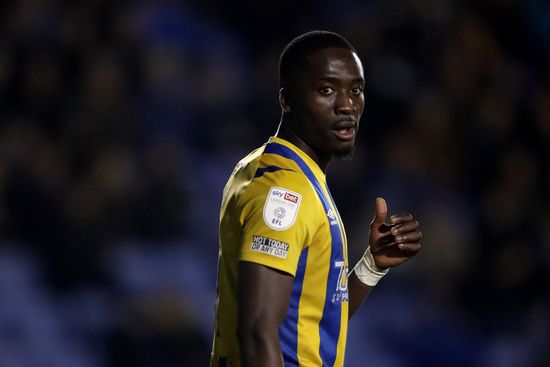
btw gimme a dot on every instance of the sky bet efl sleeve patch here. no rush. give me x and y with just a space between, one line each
281 208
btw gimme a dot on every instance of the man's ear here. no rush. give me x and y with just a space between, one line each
284 100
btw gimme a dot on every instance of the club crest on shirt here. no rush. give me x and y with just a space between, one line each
281 208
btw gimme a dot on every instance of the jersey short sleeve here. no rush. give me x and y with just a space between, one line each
276 220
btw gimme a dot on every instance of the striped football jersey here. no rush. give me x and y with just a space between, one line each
277 211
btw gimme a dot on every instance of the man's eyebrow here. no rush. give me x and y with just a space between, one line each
335 80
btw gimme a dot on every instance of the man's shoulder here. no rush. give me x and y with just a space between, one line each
262 171
260 166
269 174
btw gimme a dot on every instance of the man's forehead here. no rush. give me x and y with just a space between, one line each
334 61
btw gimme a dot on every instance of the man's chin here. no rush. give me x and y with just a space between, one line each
345 154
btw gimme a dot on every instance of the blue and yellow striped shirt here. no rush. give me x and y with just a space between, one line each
277 211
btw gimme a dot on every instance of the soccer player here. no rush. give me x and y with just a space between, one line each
284 291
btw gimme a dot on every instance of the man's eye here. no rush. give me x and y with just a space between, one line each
357 91
326 91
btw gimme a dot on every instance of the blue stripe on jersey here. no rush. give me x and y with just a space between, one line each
288 331
261 171
329 326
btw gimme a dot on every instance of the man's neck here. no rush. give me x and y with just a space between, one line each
286 132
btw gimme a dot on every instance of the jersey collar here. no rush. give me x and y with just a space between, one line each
310 162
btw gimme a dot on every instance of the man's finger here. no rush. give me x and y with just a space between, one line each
401 218
406 227
409 249
415 236
381 211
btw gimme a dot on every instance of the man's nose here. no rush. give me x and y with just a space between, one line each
344 104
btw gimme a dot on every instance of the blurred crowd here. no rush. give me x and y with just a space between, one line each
121 121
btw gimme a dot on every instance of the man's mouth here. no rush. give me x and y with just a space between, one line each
345 130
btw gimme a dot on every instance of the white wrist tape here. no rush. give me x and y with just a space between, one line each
367 271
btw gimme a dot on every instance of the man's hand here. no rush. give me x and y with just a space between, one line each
393 244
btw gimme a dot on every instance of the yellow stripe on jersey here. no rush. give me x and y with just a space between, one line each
277 211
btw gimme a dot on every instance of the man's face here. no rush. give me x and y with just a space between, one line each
328 101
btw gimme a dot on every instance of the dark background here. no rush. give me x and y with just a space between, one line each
121 121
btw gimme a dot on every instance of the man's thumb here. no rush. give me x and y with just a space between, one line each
381 211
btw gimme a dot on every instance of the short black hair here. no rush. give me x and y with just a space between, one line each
294 54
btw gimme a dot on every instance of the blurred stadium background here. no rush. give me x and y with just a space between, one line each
120 122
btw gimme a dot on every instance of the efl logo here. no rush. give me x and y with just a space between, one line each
281 208
291 197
